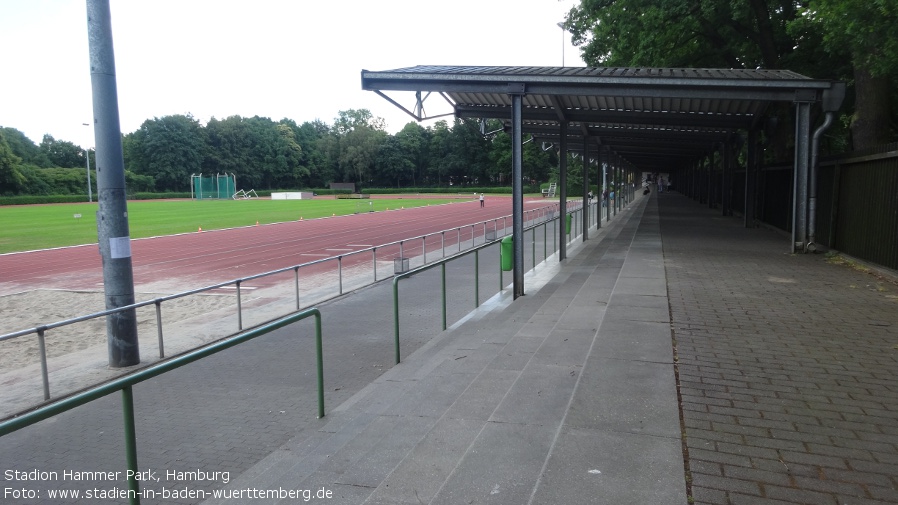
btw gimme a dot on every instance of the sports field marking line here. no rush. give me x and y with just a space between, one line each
311 254
354 245
241 287
339 250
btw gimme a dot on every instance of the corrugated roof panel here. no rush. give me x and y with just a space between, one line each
681 108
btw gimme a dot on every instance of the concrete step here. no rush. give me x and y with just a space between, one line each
498 408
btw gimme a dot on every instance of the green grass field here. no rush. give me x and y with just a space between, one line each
29 227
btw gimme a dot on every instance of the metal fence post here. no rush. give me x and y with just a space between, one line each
477 278
396 315
320 358
239 310
44 374
296 283
158 303
340 273
374 262
443 275
533 236
130 444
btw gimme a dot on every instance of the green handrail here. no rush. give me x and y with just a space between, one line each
442 263
125 383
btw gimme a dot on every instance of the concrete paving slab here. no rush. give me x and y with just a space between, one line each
479 401
469 361
565 347
539 396
378 428
377 397
652 286
623 300
501 466
582 319
517 353
640 308
432 395
598 467
634 340
421 475
376 463
626 396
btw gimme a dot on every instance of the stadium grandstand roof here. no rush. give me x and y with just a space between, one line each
651 117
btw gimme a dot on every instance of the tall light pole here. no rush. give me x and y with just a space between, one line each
561 25
90 195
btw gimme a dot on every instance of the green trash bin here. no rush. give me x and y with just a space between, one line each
506 253
567 224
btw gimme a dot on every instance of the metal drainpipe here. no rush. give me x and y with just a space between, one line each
812 198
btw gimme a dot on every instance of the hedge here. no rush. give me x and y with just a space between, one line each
43 199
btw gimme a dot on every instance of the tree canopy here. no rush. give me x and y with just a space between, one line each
851 40
264 155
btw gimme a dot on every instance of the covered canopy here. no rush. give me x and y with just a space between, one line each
653 118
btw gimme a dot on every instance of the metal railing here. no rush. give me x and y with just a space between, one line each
576 216
125 383
417 247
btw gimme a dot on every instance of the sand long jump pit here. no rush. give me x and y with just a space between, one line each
77 354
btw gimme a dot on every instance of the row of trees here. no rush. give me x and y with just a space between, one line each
263 154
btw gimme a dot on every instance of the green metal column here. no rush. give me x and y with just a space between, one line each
130 444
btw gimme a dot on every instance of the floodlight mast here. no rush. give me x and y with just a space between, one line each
113 236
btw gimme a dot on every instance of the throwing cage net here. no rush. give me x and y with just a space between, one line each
219 186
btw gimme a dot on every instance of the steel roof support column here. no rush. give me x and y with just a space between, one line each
517 191
585 214
726 181
711 185
615 183
692 174
751 177
606 202
615 177
800 178
112 217
562 202
600 176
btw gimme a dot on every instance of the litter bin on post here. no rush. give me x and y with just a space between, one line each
506 253
567 224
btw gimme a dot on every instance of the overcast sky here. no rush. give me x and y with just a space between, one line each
299 59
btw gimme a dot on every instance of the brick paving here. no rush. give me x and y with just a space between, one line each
787 366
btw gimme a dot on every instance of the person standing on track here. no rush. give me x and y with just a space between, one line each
481 200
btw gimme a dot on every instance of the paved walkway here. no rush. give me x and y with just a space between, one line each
787 366
674 358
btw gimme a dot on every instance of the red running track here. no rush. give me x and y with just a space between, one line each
182 262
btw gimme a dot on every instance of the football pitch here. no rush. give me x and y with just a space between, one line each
30 227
